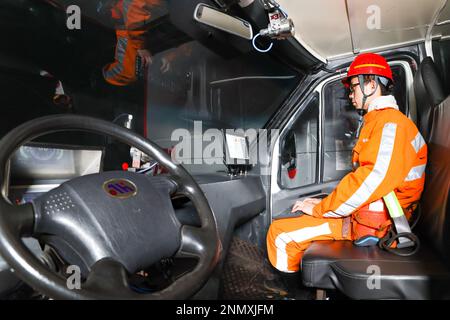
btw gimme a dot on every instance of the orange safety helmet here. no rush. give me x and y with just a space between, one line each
368 64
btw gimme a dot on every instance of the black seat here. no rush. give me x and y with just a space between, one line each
429 93
435 222
425 275
354 271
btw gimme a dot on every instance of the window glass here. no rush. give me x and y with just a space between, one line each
299 148
400 93
238 93
341 122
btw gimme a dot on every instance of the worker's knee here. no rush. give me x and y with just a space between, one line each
275 229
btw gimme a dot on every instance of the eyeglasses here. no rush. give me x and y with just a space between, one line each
353 86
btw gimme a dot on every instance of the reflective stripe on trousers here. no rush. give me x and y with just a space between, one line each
288 238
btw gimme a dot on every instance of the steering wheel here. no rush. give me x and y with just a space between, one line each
110 224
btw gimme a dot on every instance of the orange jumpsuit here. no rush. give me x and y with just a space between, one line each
391 154
131 16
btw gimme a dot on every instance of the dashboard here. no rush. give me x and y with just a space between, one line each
37 168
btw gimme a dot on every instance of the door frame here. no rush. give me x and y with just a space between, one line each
276 193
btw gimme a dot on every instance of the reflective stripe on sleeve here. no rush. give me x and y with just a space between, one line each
416 173
418 142
117 69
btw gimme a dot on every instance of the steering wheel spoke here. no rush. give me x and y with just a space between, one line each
166 184
19 218
192 242
109 276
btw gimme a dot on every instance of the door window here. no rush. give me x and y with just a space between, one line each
299 148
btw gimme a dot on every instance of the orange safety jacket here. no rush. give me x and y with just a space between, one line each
392 156
132 18
133 14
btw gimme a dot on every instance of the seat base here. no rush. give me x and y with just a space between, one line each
372 273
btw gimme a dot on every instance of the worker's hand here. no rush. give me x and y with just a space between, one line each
306 206
146 57
296 207
165 67
313 200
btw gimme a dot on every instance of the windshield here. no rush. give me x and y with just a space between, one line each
240 93
139 63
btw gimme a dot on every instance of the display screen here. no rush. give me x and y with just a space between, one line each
42 162
236 149
237 146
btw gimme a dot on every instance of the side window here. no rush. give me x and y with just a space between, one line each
400 94
341 122
299 149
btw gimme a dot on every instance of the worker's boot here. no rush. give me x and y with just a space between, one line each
276 286
282 284
288 286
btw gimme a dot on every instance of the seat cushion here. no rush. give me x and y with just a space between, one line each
372 273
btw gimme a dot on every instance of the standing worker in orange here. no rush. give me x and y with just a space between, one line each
390 155
131 18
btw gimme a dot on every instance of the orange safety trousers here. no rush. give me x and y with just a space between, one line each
288 238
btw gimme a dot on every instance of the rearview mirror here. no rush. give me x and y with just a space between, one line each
217 19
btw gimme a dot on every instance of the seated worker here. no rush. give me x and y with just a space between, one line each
390 155
131 18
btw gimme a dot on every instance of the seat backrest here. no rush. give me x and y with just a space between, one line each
435 207
429 93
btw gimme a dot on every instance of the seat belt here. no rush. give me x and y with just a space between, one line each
399 219
403 234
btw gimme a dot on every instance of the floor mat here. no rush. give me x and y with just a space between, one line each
246 274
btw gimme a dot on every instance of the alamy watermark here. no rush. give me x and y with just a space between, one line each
73 17
374 280
73 282
374 19
211 146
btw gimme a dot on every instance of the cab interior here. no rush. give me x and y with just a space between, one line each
288 102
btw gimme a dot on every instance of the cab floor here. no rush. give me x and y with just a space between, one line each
247 275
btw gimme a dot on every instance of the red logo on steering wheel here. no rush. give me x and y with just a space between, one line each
120 188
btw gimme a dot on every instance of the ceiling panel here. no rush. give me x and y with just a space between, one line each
336 28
